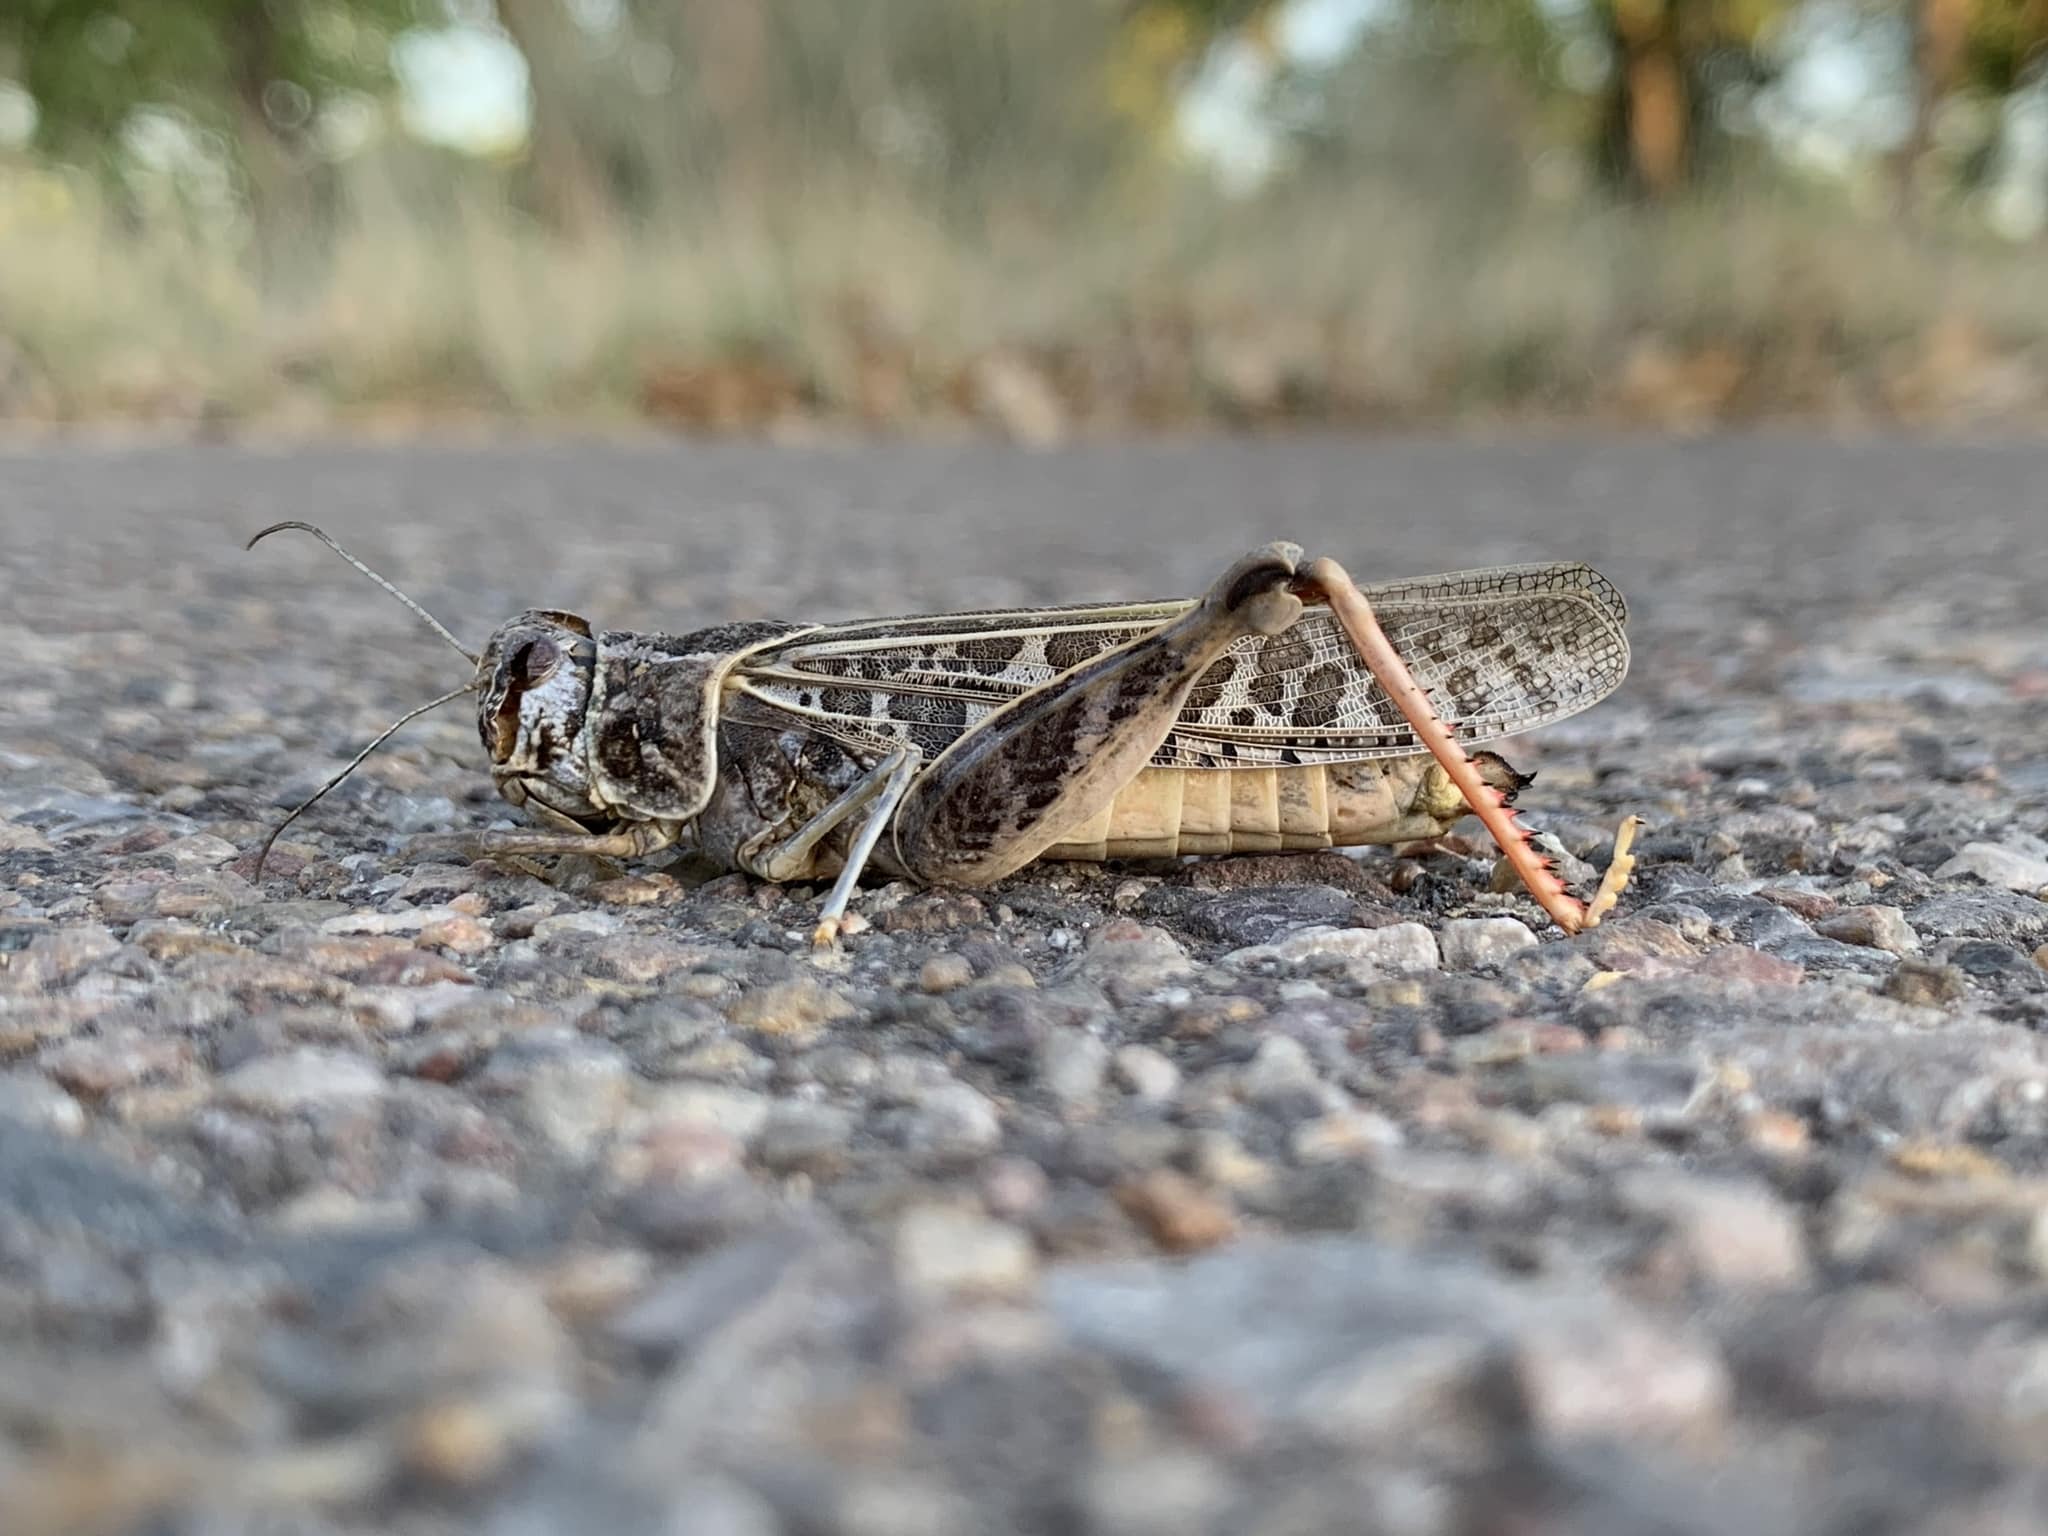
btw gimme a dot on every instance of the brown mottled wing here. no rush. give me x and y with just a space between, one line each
1500 651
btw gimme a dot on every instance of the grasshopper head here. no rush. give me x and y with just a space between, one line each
533 691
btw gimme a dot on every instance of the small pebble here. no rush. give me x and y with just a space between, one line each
953 1121
945 973
1872 927
943 1251
1366 952
1925 984
575 925
1998 866
30 1100
796 1010
1736 1235
1072 1065
309 1077
1180 1215
1476 943
461 934
1281 1065
1145 1073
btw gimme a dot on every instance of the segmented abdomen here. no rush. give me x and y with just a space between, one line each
1167 812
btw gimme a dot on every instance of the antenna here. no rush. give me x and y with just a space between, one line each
382 736
433 623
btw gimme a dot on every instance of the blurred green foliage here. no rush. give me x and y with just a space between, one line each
953 101
1043 107
249 71
1039 211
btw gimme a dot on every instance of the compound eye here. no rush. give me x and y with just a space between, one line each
535 662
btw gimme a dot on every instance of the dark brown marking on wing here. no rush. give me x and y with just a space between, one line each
857 703
995 652
1208 693
1280 654
1064 652
1322 695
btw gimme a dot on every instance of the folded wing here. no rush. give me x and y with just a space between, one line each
1499 651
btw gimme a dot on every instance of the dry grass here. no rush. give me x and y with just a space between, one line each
1356 305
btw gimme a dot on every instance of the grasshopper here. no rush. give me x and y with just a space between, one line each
1284 709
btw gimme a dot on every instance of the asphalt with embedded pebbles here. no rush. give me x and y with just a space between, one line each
1296 1194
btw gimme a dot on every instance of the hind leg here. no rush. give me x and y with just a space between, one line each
1329 582
1042 765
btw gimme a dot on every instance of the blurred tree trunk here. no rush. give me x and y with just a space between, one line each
567 184
291 197
1650 109
726 45
1941 35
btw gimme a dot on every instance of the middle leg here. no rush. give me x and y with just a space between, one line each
874 797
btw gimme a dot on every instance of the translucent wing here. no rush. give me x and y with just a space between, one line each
1499 651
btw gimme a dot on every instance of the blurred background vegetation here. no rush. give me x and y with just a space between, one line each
1044 216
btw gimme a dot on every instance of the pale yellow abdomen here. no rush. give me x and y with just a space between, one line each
1168 812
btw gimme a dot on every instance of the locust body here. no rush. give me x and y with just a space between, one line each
957 748
771 782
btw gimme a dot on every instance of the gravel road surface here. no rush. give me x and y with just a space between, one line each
1277 1195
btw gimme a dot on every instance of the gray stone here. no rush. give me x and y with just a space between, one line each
1737 1235
569 1092
1281 1065
1475 943
715 1506
1130 961
805 1138
307 1078
1364 953
942 1250
2005 916
1072 1065
1163 1493
1265 916
566 926
736 1111
952 1121
1873 927
769 1273
1146 1073
1995 865
1388 1351
28 1099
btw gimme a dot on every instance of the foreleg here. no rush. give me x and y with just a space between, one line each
635 840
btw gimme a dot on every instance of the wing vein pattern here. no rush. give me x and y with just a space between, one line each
1499 651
